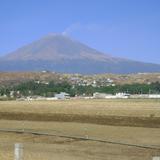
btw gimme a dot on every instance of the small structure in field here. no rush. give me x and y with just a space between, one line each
122 95
98 95
156 158
110 96
154 96
62 95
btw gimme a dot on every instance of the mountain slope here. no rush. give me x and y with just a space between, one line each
55 47
62 54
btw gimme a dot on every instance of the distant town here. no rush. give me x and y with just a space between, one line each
47 85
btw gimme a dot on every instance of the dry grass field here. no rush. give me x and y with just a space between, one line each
144 113
125 121
119 107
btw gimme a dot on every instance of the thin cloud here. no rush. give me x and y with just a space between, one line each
78 27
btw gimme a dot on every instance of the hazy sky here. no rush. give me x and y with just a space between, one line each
124 28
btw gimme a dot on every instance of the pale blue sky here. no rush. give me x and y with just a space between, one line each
123 28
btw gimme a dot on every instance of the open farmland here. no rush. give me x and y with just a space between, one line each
113 112
131 122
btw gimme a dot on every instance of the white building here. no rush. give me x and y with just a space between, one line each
103 95
62 95
122 95
154 96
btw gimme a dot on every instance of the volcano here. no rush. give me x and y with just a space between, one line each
60 53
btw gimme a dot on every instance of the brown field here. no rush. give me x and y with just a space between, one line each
120 107
125 121
142 113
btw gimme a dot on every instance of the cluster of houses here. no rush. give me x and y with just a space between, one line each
83 81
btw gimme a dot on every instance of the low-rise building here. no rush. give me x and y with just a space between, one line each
111 96
156 96
62 95
98 95
122 95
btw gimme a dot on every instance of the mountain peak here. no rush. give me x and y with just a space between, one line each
56 47
58 35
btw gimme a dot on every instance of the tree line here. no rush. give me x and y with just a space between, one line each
32 88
